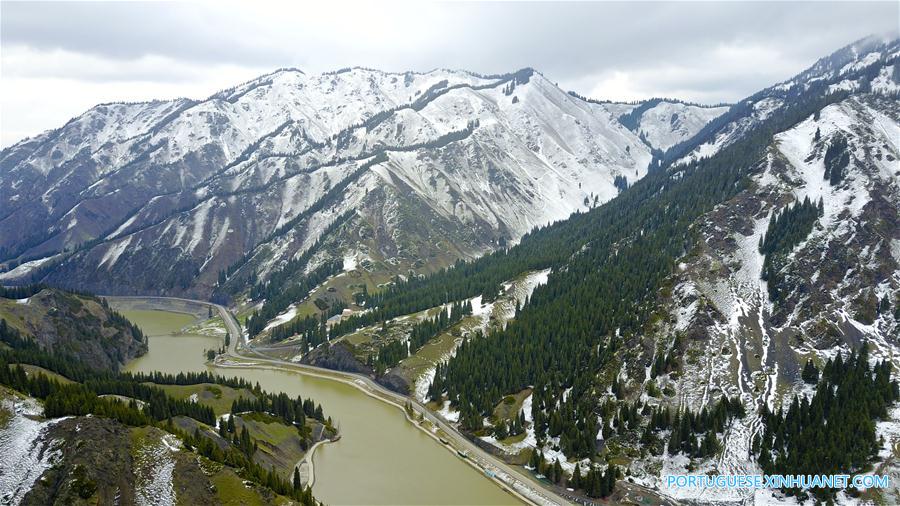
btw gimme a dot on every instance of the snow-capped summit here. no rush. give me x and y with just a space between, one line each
868 65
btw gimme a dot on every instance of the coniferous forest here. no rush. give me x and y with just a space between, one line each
84 396
786 230
834 431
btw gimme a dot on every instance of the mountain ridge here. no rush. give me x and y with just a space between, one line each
630 305
312 143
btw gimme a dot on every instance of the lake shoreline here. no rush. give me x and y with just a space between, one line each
337 376
468 492
308 461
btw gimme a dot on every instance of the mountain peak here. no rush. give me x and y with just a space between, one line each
884 46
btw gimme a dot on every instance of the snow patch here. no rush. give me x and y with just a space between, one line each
26 452
451 415
26 268
114 251
283 318
350 262
155 467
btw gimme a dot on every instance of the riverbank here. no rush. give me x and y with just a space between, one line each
305 465
386 461
498 474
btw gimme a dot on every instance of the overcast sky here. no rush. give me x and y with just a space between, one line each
59 59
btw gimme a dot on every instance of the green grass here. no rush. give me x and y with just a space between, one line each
515 439
269 429
620 460
218 397
32 370
506 410
11 314
243 312
360 337
140 437
279 443
231 490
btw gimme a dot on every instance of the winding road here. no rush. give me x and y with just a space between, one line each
507 476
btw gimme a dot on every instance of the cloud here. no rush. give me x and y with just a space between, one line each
26 62
717 74
60 58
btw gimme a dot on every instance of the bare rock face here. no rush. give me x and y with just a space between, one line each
395 382
338 357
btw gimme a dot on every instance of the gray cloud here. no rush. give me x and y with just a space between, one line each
702 51
129 30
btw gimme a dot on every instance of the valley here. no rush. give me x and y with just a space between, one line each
446 287
386 458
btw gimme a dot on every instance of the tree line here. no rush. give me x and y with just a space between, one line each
279 295
421 333
84 398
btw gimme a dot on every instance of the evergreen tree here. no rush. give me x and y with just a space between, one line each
575 481
785 231
296 481
812 436
810 372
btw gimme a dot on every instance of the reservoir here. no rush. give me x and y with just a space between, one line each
381 458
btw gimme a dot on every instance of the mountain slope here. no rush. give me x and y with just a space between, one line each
464 163
836 288
78 325
664 123
863 66
678 319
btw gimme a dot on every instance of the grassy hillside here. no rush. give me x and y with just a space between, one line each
79 325
94 436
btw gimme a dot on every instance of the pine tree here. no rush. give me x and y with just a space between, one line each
710 445
575 481
810 372
557 471
296 482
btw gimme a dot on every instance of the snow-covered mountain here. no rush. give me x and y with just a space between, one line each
864 66
840 273
837 287
663 123
440 165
